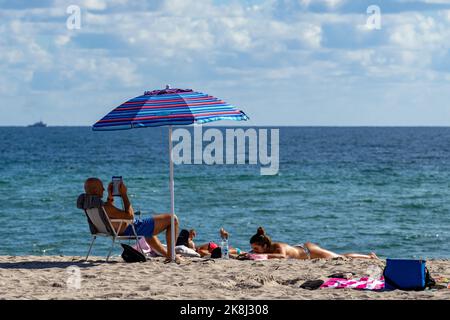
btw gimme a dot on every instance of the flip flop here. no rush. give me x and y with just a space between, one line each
342 275
177 260
312 284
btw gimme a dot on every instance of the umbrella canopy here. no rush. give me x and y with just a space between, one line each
169 107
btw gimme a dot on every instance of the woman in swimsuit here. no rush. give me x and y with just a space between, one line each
261 243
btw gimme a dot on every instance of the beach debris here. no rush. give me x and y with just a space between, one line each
57 285
312 284
441 283
290 281
342 275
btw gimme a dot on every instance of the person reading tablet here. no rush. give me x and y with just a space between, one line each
148 228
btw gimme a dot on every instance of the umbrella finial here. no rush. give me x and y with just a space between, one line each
167 86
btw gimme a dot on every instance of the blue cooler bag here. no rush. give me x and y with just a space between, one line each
406 275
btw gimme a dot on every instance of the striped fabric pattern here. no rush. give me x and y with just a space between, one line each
168 107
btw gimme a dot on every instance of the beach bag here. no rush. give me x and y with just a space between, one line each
130 254
407 275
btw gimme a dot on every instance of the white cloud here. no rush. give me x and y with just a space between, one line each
188 31
421 32
203 42
329 3
62 40
334 3
312 35
94 4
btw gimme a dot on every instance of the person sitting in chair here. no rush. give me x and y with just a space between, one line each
148 228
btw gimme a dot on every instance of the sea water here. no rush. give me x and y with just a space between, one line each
348 189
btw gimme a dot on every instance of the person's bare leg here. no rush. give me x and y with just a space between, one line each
203 252
163 222
317 252
320 253
372 255
157 245
223 233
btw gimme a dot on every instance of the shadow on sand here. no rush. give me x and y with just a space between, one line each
35 265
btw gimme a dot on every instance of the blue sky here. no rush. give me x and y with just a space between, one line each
284 62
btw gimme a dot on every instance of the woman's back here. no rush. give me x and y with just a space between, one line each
291 252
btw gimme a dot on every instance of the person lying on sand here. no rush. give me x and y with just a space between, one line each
148 228
262 244
207 248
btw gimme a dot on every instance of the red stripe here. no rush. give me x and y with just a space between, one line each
170 106
171 116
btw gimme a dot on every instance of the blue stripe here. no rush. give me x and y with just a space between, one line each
97 127
146 113
166 110
119 121
171 104
199 119
153 104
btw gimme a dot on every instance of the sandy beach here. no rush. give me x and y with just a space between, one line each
53 277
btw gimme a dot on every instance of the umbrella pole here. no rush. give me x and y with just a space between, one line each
172 198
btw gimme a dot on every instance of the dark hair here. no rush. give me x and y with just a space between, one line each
260 238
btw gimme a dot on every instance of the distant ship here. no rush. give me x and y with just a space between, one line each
39 124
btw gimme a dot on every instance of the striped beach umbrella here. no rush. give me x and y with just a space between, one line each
169 107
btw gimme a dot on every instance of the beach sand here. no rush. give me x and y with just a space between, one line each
50 277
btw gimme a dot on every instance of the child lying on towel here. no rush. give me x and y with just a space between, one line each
187 238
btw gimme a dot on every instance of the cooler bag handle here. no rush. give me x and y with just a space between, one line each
429 281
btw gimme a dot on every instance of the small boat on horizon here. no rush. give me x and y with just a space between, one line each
39 124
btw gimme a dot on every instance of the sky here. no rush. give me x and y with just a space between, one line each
284 62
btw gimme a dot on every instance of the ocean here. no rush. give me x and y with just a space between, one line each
348 189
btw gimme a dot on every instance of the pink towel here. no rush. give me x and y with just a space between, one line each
146 249
256 256
362 283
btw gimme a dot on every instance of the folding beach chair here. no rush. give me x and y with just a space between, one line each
100 224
